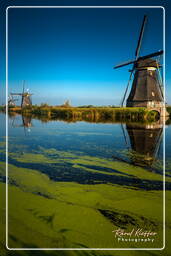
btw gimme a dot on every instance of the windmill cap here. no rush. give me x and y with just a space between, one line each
147 63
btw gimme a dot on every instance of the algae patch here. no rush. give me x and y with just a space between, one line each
43 212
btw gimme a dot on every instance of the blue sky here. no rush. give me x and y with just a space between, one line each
69 53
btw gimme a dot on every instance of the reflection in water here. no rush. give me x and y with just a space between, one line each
65 190
26 123
145 141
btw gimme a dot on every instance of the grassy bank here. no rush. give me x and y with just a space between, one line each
93 114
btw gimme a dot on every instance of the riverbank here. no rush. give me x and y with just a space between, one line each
87 113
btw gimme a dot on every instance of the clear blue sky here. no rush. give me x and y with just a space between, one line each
69 53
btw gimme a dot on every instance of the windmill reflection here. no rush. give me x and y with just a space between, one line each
145 141
26 123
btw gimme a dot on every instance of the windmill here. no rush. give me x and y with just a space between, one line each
146 88
25 97
11 101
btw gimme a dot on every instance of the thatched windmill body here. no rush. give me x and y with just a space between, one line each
146 88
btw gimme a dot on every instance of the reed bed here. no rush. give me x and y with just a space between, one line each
93 114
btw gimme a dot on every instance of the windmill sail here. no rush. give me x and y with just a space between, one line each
140 37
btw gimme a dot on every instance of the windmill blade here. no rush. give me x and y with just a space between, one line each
122 102
151 55
138 45
16 94
140 37
140 58
23 85
124 64
160 81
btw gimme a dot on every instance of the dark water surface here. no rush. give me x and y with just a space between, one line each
72 184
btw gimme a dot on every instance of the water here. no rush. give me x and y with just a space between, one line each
72 184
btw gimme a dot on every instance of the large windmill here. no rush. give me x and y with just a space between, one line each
25 97
146 88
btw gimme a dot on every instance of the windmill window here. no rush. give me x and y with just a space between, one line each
152 93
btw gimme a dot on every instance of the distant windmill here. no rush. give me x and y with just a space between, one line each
146 88
25 97
11 101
